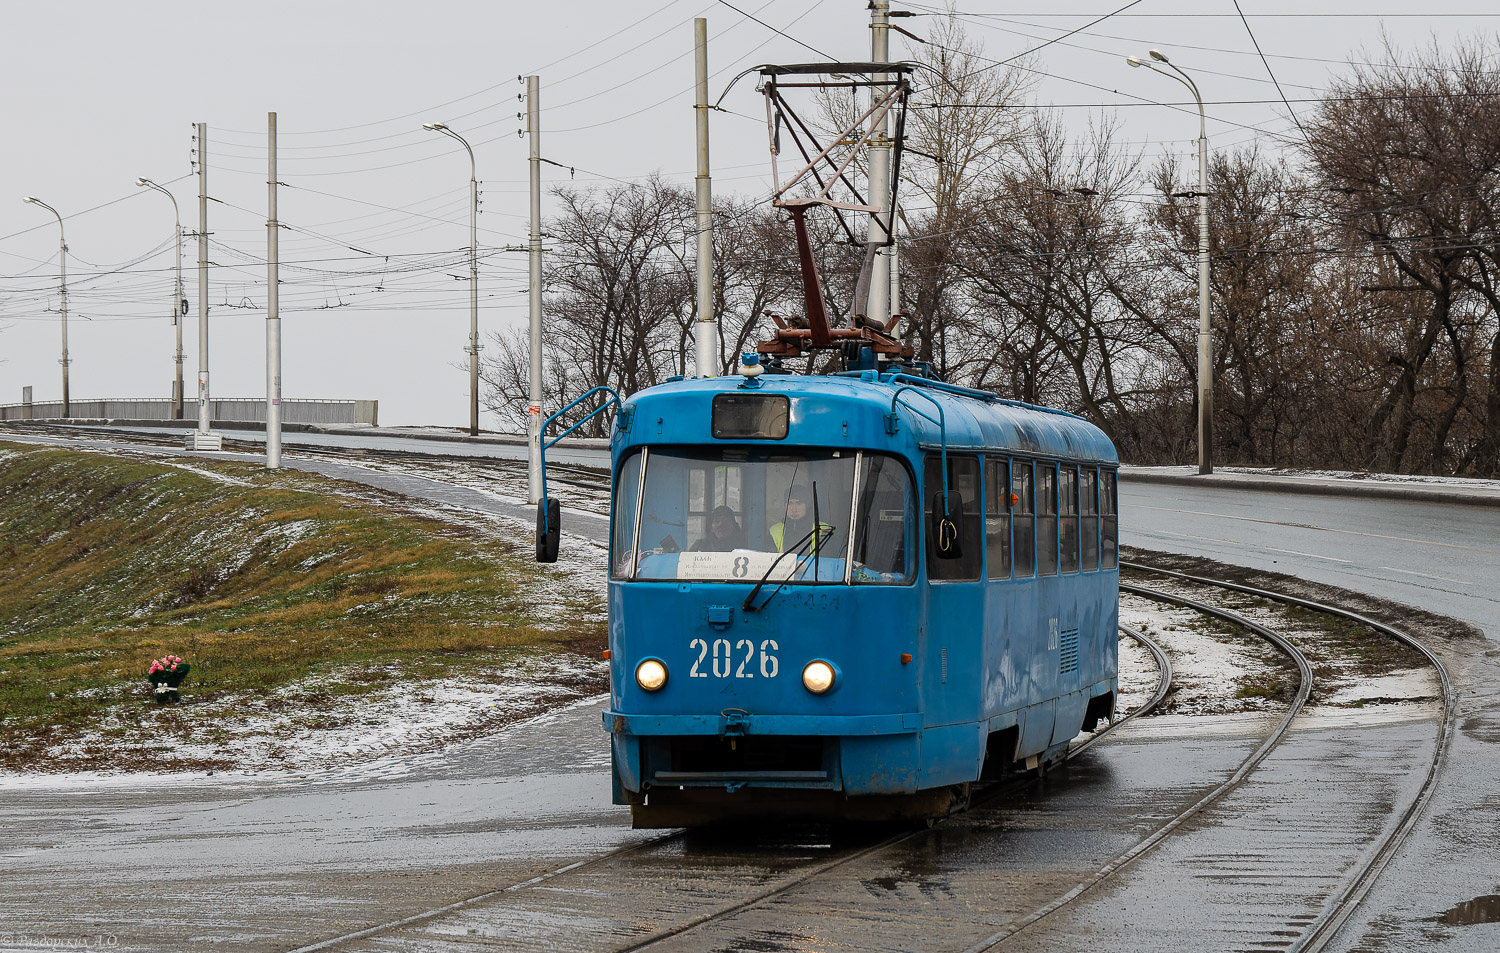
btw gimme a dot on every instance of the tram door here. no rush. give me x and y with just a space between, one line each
955 610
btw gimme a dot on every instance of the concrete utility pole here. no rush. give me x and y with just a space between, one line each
473 273
1205 336
179 303
534 390
62 243
273 306
706 333
203 438
879 307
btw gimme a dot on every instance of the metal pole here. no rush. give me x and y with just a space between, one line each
895 303
1205 338
178 311
706 334
879 306
203 277
62 242
273 306
473 273
202 438
473 296
534 389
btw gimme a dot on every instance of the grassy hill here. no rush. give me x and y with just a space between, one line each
261 579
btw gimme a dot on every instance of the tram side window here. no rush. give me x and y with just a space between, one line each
883 550
997 517
627 490
963 506
1088 502
1046 519
1109 518
1023 518
1067 520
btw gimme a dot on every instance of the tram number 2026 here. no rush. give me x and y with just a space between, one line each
737 659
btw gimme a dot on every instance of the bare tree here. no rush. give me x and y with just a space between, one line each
1408 156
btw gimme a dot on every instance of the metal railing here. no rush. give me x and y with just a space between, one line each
229 409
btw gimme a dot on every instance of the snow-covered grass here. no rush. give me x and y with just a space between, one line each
312 726
1221 671
290 594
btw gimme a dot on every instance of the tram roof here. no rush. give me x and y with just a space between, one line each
855 407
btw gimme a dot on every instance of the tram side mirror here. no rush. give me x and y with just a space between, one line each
548 530
943 530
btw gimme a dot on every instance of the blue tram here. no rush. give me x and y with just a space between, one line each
850 595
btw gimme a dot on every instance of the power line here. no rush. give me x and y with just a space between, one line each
1268 69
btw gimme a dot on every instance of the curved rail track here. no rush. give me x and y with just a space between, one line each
1312 936
1339 907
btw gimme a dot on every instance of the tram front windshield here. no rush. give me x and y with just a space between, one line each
746 514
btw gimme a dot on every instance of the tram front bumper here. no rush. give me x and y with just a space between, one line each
854 754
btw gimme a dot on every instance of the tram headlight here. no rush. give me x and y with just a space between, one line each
651 674
818 677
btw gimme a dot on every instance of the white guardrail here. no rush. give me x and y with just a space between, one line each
242 410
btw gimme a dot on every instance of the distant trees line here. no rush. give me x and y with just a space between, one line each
1355 281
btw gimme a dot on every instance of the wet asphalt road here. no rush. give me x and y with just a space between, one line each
246 865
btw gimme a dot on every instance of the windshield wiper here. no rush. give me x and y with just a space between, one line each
822 540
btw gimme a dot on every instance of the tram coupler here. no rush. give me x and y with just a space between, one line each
736 724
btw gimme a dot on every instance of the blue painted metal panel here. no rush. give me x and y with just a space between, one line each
850 412
1036 729
892 724
952 754
1069 715
862 630
886 765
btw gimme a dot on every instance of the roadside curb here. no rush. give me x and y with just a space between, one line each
1410 493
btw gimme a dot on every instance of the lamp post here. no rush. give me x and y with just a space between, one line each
177 299
1205 341
473 275
63 245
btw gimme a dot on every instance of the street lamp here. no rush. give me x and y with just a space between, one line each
1205 342
63 244
178 301
473 275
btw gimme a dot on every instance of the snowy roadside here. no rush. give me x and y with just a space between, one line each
352 716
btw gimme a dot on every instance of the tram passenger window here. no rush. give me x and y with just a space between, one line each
1046 519
1088 503
627 490
886 523
1109 519
1067 520
997 517
963 507
1021 516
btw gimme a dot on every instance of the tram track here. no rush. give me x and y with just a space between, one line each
625 862
1320 935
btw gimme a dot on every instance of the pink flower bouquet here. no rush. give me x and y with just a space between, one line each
167 672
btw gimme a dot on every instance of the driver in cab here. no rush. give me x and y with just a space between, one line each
798 524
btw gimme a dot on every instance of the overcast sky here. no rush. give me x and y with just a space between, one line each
372 305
